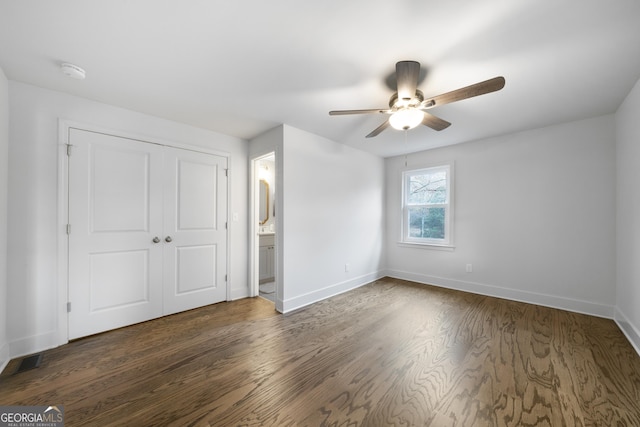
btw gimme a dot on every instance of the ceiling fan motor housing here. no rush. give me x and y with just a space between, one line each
407 107
395 103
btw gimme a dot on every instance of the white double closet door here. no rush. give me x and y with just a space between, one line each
147 231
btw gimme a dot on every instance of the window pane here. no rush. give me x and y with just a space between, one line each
427 188
426 223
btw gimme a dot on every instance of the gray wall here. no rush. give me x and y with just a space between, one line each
4 187
333 198
628 216
534 215
36 314
329 208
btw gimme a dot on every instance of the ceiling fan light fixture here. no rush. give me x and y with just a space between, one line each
406 118
407 104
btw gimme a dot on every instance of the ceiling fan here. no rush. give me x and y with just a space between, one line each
408 106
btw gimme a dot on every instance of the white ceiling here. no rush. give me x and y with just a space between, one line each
242 67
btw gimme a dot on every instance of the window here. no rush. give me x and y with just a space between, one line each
427 206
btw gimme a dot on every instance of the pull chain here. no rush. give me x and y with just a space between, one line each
405 144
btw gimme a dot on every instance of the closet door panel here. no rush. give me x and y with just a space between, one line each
195 219
115 211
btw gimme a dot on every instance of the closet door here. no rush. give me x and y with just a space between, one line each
115 212
195 235
147 231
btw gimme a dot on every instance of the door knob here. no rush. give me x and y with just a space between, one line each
167 239
156 239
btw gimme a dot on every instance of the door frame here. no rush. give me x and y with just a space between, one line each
64 127
254 240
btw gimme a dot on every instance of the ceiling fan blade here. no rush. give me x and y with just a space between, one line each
370 111
379 129
407 74
435 123
481 88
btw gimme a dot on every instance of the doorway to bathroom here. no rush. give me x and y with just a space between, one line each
264 224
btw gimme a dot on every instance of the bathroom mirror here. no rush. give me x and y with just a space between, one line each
263 213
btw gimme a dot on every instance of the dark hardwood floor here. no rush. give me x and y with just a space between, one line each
391 353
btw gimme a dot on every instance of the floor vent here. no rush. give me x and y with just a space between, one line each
29 362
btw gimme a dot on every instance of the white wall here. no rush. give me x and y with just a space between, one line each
4 186
34 309
271 141
628 216
534 215
332 215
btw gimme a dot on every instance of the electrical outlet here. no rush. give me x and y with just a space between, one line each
469 268
346 267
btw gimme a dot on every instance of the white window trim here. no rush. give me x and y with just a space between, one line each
441 244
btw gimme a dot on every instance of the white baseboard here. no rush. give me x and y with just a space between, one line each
5 356
33 344
300 301
239 294
628 329
568 304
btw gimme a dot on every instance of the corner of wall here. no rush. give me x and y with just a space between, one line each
34 343
627 131
4 356
309 298
632 334
4 186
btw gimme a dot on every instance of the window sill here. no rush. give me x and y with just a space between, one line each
434 246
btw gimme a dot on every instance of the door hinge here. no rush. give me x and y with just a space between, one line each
226 172
225 277
69 307
68 228
226 225
69 149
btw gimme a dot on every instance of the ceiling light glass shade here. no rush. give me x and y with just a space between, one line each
406 118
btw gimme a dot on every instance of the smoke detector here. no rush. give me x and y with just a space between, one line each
73 71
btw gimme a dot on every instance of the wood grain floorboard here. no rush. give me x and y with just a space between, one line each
392 353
